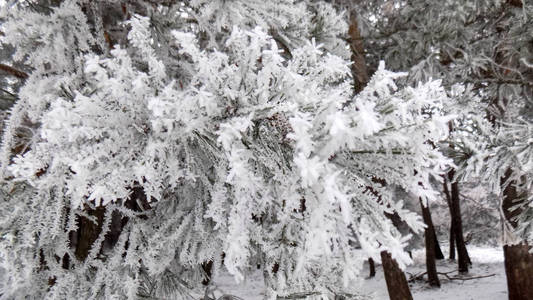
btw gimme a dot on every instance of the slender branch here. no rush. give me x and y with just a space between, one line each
9 93
466 278
303 295
394 151
445 274
13 71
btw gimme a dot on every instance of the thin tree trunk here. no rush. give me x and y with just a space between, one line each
452 228
518 259
438 251
452 243
359 70
394 276
429 237
462 253
395 279
372 267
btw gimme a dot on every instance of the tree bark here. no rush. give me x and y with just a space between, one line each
452 228
452 243
518 259
372 267
395 278
462 252
519 271
438 251
430 241
359 70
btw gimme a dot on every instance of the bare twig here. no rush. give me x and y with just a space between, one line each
302 295
9 93
467 278
420 276
13 71
415 277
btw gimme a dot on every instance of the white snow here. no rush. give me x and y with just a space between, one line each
485 260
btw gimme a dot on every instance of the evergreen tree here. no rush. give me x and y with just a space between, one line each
151 138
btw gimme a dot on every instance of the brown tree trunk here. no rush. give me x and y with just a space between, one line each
519 271
359 70
430 238
452 243
438 251
462 253
452 228
395 278
518 259
372 267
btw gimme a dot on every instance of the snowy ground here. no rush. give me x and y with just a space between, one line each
486 261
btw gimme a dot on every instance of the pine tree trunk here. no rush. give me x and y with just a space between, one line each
452 242
430 239
518 259
462 253
359 70
452 227
438 251
519 271
395 278
372 267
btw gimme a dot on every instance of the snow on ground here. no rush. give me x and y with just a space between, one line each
251 289
486 261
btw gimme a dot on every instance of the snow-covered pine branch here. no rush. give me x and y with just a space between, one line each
185 143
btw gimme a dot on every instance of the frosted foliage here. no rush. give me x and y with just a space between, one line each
290 22
482 52
509 150
226 150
